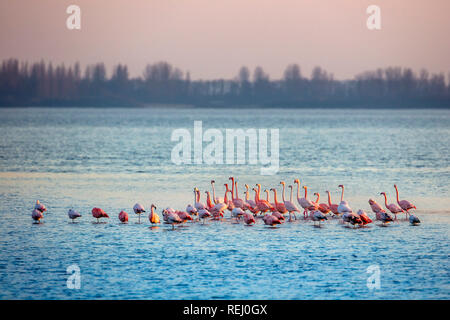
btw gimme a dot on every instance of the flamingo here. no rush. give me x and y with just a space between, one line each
99 213
123 216
138 209
376 208
393 208
236 201
209 203
268 200
37 215
271 220
322 207
184 216
343 206
262 205
249 219
303 202
215 199
384 217
191 210
351 217
203 214
73 215
413 220
364 217
198 204
252 203
333 206
290 206
237 213
279 206
318 216
173 219
227 201
253 209
404 204
39 206
215 209
153 216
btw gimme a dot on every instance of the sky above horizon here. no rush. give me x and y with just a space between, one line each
214 38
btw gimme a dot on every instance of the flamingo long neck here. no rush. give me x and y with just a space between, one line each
152 212
195 196
342 193
246 194
396 191
256 196
385 200
225 198
232 188
198 196
267 195
284 197
292 192
214 191
208 199
259 190
235 184
318 198
298 190
275 196
329 198
306 193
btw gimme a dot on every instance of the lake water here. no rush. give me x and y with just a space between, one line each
113 158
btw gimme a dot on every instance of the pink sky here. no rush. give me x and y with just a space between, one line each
213 38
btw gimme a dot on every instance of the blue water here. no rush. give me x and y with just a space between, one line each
113 158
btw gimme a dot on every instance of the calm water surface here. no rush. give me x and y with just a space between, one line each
112 158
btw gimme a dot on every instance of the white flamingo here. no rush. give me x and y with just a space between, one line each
73 214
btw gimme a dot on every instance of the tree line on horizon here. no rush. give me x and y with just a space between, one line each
41 84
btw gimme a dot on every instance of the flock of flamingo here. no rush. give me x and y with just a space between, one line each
248 211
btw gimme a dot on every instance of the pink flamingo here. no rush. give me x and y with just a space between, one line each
279 206
227 201
203 214
289 205
191 210
236 200
37 215
249 219
73 215
252 203
153 216
404 204
271 220
198 205
123 216
215 199
268 200
262 205
173 219
322 207
376 208
333 207
184 216
215 209
252 209
138 209
99 213
364 217
393 208
39 206
303 202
